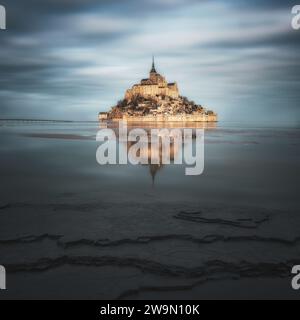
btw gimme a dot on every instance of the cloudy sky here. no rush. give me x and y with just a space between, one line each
70 59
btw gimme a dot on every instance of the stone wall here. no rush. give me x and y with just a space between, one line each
174 118
152 90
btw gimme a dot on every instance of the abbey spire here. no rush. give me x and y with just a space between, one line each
153 66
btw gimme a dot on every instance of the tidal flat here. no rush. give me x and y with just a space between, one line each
70 228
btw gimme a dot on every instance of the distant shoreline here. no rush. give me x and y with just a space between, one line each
49 120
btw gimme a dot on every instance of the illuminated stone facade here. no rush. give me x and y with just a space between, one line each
155 85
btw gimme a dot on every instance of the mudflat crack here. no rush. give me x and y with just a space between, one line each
235 221
144 240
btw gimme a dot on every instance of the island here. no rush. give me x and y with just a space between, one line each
154 99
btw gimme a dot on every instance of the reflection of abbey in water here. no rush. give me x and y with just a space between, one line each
154 99
148 153
153 145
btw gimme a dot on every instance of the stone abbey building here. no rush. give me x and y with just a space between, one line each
156 84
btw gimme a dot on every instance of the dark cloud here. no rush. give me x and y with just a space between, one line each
263 4
289 39
33 15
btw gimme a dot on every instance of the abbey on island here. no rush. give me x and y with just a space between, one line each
154 99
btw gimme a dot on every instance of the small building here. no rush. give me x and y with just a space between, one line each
102 116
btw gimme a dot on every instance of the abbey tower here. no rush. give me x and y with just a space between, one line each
155 85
